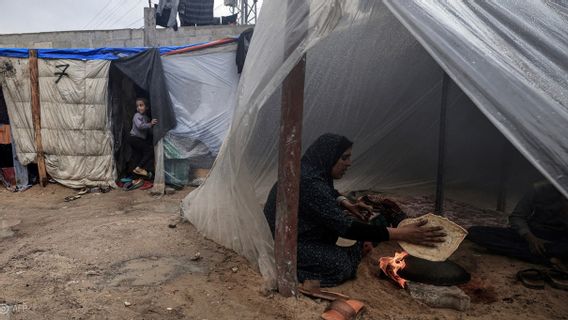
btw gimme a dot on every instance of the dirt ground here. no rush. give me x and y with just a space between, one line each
114 256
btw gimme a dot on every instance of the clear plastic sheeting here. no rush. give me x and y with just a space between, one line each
511 58
184 154
202 87
75 135
369 78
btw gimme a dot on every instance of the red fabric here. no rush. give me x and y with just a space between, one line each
202 46
10 175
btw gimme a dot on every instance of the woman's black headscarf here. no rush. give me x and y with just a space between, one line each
322 155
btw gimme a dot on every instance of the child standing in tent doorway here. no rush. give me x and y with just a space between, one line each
140 137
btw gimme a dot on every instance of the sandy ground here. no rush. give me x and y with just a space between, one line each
113 256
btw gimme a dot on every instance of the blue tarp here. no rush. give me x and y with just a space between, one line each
13 52
86 53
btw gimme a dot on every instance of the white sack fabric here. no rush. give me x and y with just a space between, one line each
75 137
14 75
370 79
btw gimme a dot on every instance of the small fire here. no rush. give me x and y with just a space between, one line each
391 265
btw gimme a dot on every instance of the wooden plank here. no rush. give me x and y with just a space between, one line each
440 178
288 195
36 116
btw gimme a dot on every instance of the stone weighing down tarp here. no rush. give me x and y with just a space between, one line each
75 137
369 78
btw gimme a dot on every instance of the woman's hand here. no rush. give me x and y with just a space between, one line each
418 233
154 122
357 208
363 206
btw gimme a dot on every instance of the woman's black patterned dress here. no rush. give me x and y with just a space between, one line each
320 219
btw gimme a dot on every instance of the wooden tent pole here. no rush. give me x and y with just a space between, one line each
36 116
288 194
289 156
440 178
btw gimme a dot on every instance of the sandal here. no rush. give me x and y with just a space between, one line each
311 288
71 198
341 309
532 278
557 279
147 185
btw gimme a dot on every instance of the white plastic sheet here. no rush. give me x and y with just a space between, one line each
202 88
370 79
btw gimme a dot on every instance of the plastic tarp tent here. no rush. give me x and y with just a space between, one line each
369 78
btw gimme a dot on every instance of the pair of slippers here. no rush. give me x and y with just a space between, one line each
341 307
536 279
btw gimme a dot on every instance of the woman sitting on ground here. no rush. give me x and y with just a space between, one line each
321 217
140 138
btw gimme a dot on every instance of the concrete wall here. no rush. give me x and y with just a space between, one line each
117 38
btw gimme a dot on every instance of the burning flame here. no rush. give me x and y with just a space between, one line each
391 265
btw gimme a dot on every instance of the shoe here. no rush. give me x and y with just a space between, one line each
557 279
135 184
139 171
532 278
126 180
147 185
